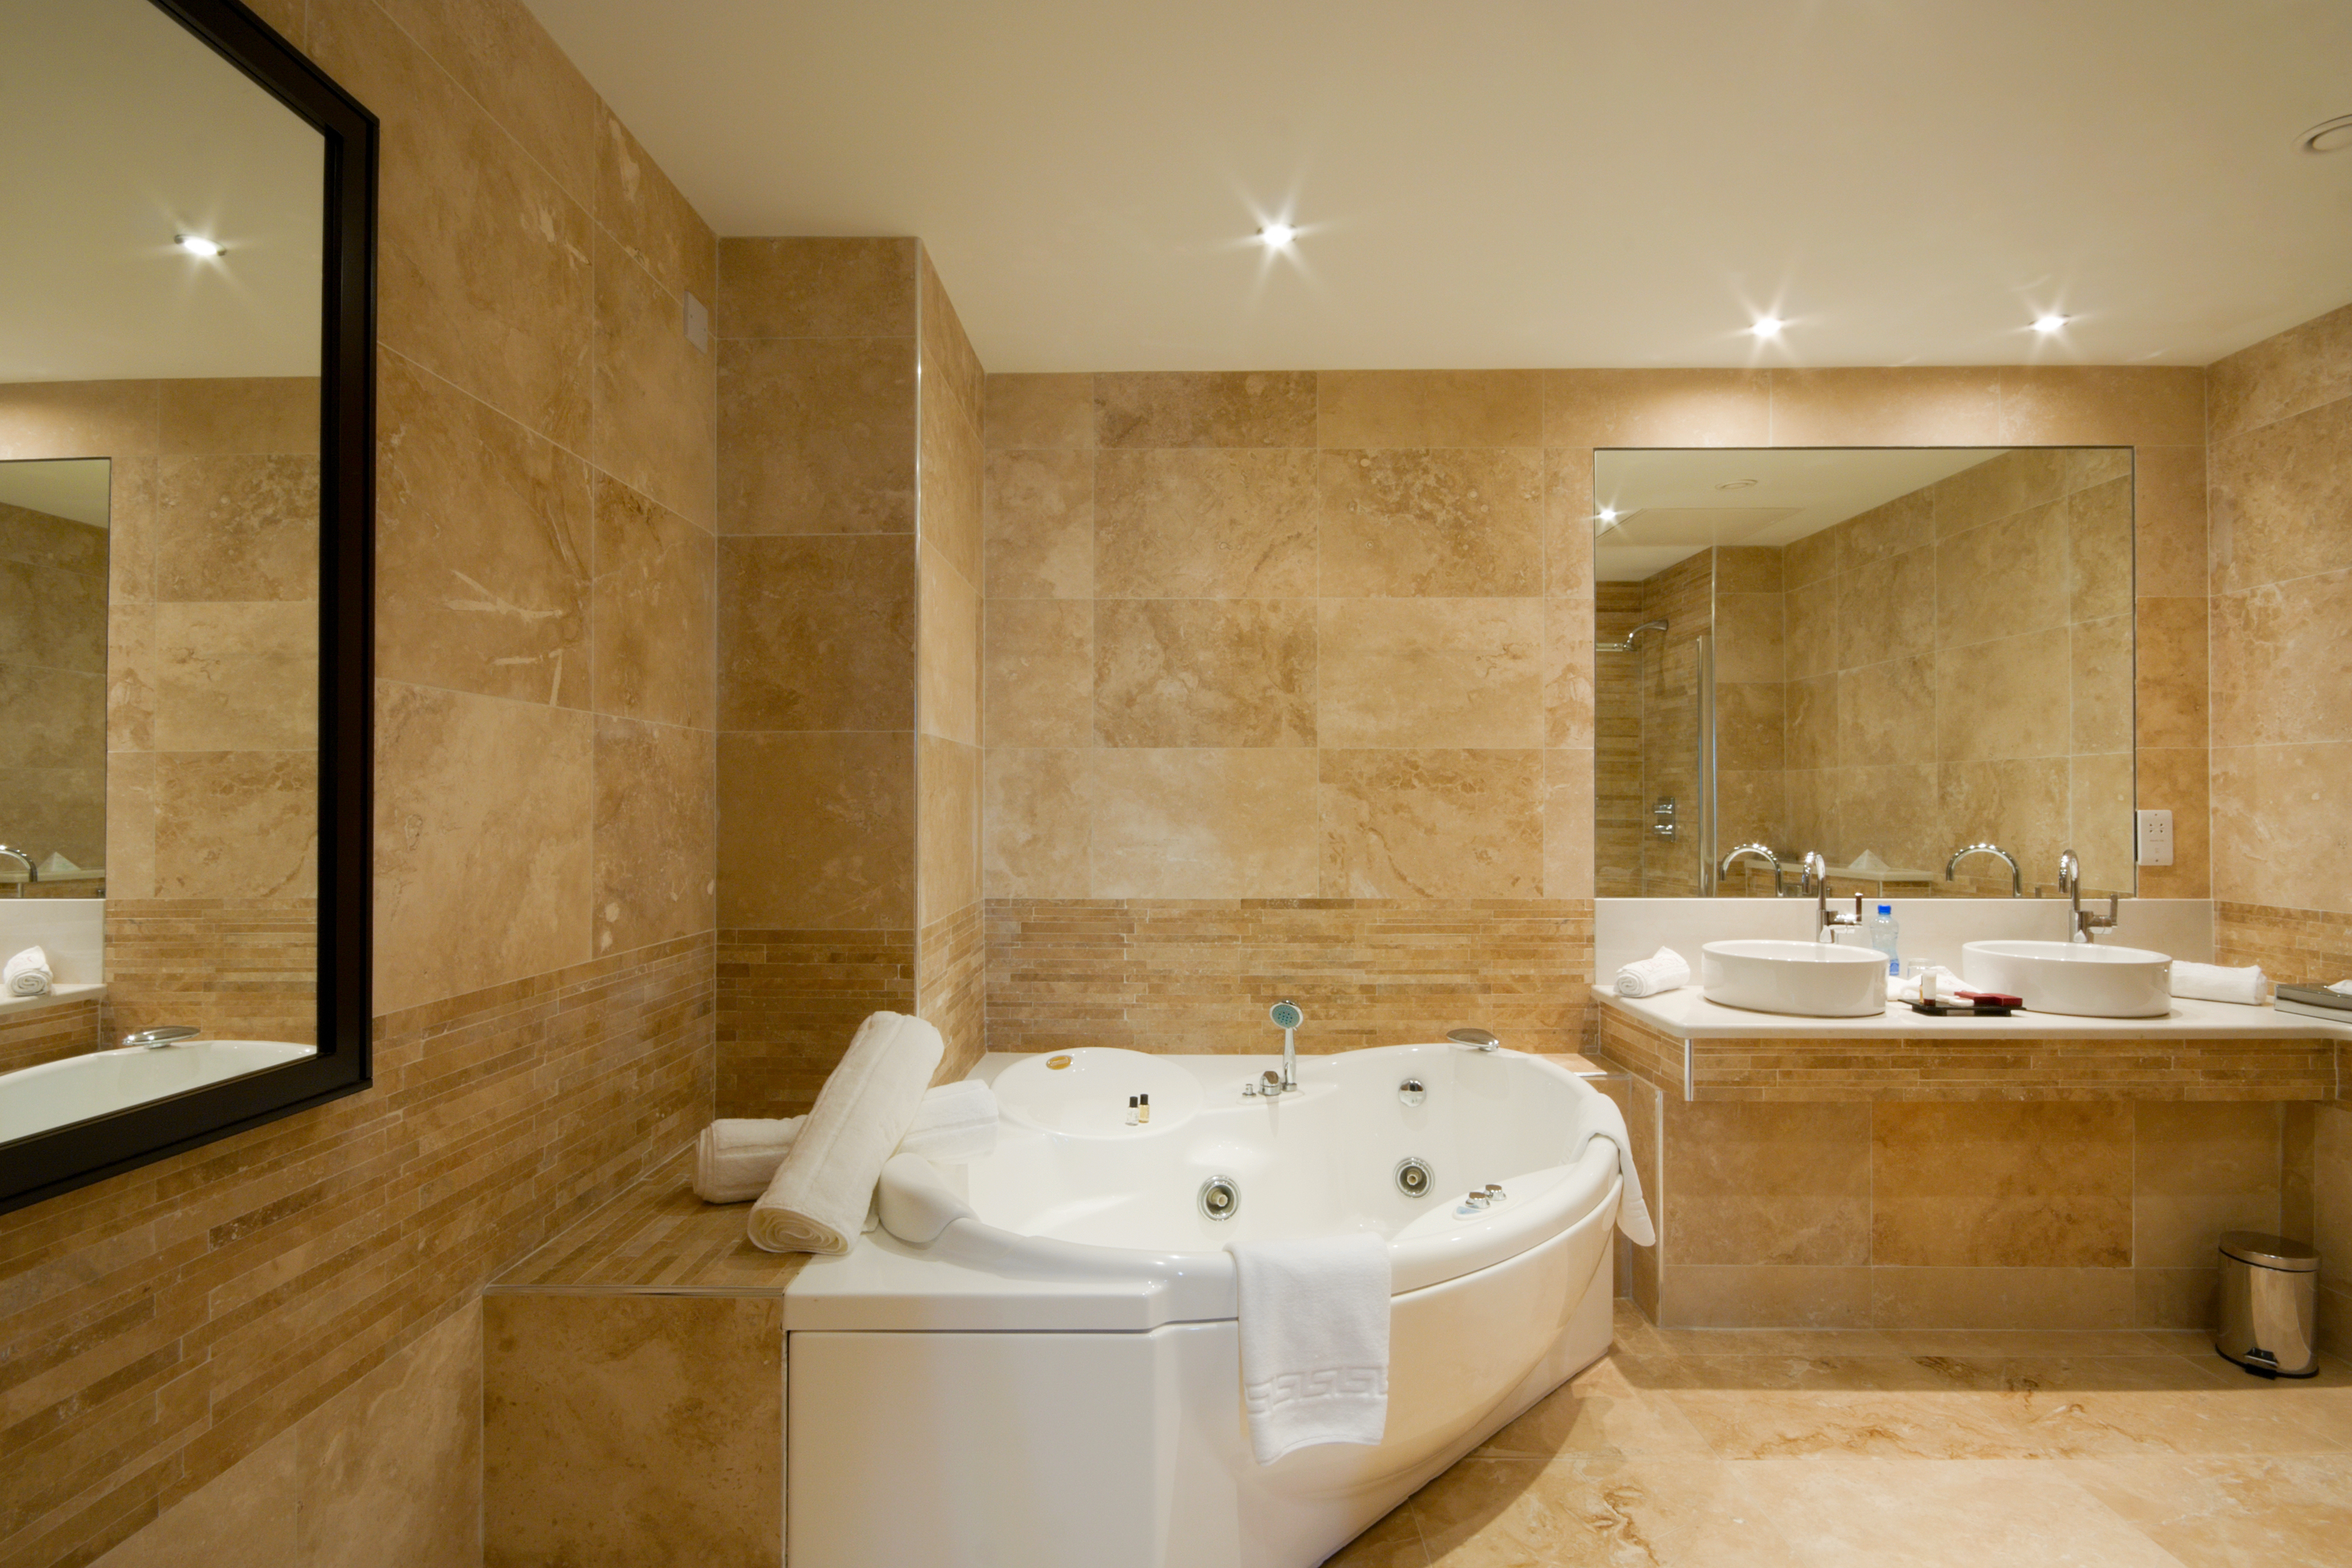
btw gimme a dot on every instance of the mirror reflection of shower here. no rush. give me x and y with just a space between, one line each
1627 645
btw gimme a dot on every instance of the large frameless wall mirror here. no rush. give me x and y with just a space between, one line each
186 364
1886 656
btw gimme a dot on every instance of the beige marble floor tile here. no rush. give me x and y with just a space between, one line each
1775 1424
2239 1511
2258 1418
1775 1342
1886 1514
1485 1513
1394 1543
1600 1411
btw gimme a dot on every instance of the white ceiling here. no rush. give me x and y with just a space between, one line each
119 129
74 488
1527 182
1674 503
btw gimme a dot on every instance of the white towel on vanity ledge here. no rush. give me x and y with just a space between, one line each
1906 988
818 1201
27 974
1663 971
737 1157
1604 1118
2218 983
1314 1317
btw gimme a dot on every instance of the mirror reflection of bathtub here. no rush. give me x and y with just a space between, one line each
75 1089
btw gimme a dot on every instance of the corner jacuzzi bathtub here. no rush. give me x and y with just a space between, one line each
1034 1363
99 1082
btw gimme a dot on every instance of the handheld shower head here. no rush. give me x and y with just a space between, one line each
1285 1016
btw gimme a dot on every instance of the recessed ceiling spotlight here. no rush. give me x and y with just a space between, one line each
1278 235
1737 485
1608 514
1768 327
2329 135
198 244
2050 321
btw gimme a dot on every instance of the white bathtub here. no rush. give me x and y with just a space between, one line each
1036 1361
101 1082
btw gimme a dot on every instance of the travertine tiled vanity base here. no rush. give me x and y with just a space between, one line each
633 1389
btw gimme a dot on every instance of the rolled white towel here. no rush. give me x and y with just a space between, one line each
737 1157
2220 983
27 974
1663 971
822 1191
1906 988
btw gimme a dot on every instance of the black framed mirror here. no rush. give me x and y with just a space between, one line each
187 377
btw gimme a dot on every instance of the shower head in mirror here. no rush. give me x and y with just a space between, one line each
1627 645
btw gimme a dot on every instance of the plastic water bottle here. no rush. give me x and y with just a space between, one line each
1883 932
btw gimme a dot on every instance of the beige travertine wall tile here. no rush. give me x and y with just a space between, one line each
1727 1295
952 459
1454 824
809 287
2020 804
816 435
1429 408
130 529
816 832
2003 578
1039 411
2200 1169
223 416
1204 524
1817 557
651 218
53 620
506 62
1036 833
1816 734
1905 524
1205 408
2282 500
483 840
2020 679
1038 516
948 804
1911 406
1887 810
2171 673
2099 550
1808 636
75 419
1217 672
1201 823
2102 833
1750 726
1039 673
2280 831
640 1429
2178 779
235 677
947 662
389 1469
2003 1298
653 390
2102 405
655 829
2103 686
816 632
246 1514
1879 713
484 261
2282 662
2170 544
1568 674
1430 672
1656 408
237 824
483 538
36 538
654 609
1445 523
236 527
2280 376
1767 1183
1748 568
2008 1185
1568 834
1568 524
1750 644
1882 609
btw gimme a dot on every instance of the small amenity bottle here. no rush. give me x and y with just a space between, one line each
1883 932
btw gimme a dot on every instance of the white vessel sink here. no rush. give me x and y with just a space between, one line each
2081 978
1812 979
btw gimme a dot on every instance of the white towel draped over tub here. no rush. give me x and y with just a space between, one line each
818 1201
1602 1118
737 1157
1315 1340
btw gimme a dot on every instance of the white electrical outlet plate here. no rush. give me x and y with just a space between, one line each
2154 837
697 323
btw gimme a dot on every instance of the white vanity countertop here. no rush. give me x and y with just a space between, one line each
1685 1014
55 996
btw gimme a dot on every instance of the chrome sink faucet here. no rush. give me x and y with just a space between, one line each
2083 921
32 872
1815 880
2016 882
1753 852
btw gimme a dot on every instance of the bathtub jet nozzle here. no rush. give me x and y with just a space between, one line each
1286 1017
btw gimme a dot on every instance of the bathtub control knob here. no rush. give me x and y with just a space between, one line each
1475 1199
1494 1192
1411 1092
